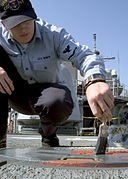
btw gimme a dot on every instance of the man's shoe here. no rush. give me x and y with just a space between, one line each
50 141
3 142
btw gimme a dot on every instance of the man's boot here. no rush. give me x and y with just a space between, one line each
48 133
3 133
3 141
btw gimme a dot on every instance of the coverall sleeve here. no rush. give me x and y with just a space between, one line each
80 56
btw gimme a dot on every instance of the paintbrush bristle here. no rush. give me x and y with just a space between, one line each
102 140
101 146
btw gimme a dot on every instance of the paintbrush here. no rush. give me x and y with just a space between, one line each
102 139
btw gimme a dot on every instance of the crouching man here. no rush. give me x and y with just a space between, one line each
31 52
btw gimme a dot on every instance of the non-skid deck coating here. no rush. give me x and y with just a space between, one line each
65 158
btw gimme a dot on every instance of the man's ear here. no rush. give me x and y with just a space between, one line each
3 25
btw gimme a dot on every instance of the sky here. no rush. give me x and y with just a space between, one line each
108 19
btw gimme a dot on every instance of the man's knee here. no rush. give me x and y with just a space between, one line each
59 112
55 112
53 102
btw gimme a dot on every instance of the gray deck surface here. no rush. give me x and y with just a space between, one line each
32 143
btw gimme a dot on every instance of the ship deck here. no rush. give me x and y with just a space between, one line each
25 158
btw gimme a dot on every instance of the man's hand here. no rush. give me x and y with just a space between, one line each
101 100
6 84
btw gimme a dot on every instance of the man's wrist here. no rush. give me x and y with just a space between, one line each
93 79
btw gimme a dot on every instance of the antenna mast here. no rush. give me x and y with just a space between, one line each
97 52
118 66
94 39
